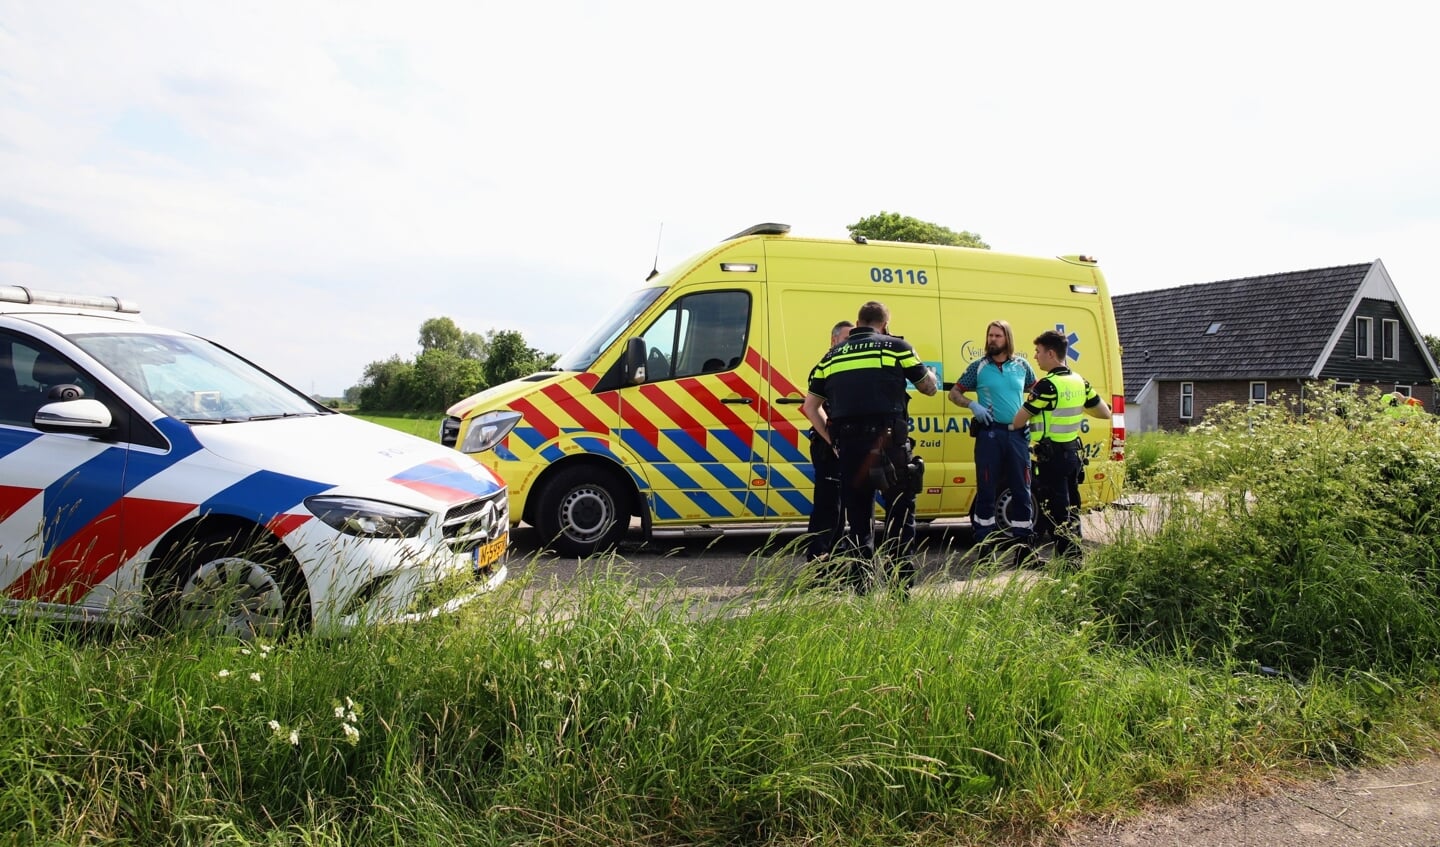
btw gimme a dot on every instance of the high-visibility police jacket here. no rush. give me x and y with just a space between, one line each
1057 405
864 376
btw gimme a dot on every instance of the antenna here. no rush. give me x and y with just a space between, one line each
655 269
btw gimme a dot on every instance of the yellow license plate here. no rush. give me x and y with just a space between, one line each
490 552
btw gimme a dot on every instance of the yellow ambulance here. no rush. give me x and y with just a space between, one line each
682 408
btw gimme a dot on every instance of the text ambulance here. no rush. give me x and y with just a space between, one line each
683 407
149 472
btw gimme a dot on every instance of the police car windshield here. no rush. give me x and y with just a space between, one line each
584 354
194 380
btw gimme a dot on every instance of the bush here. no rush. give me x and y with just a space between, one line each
1311 544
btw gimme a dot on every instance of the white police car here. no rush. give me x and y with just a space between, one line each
147 472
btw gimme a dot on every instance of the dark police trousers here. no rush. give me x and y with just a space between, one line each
826 525
866 448
1056 486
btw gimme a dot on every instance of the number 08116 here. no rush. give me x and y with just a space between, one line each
898 276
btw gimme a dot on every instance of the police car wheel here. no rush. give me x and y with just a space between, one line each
230 587
583 510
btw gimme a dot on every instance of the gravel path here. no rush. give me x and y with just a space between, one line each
1394 806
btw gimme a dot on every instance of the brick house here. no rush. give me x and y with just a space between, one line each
1188 348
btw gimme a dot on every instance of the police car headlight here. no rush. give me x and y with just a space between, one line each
487 430
367 518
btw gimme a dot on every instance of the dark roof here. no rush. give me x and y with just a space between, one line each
1273 326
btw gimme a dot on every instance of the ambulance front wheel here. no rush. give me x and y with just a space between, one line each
243 586
583 509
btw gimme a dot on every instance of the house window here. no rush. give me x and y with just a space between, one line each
1257 393
1390 339
1363 349
1344 386
1213 328
1403 390
1187 400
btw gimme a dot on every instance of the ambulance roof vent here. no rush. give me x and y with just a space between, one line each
21 294
761 229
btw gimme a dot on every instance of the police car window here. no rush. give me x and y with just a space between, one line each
699 334
30 376
193 380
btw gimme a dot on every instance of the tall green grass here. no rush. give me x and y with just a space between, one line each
1283 618
1312 544
604 714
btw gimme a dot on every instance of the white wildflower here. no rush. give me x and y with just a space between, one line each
274 725
547 664
223 673
352 734
295 738
255 677
244 651
340 712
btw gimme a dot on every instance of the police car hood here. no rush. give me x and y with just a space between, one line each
355 456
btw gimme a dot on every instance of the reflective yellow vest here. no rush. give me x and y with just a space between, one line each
1062 423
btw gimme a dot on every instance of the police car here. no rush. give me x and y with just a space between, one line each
148 474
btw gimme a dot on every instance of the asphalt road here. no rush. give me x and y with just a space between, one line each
734 557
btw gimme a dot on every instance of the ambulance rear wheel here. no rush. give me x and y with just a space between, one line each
1004 502
245 586
583 509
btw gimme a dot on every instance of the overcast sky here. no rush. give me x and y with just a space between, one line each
307 182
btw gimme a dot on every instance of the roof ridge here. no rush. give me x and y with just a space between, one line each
1349 267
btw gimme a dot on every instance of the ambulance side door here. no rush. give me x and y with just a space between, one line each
699 407
813 287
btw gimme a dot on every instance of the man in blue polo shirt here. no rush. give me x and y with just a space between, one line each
999 381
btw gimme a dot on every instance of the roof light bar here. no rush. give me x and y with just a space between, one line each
21 294
1084 289
739 267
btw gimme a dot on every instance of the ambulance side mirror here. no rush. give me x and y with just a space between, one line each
635 359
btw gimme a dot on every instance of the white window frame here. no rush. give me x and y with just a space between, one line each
1187 400
1368 351
1263 393
1403 389
1390 340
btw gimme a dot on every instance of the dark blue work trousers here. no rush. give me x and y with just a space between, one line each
1002 461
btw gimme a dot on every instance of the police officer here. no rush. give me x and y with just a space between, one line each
1056 406
862 381
825 525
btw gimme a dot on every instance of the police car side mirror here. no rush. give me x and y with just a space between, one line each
635 359
85 417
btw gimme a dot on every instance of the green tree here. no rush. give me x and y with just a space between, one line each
509 357
386 385
440 334
891 226
1432 343
441 377
452 364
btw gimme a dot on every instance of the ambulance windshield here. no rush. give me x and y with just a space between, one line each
584 354
194 380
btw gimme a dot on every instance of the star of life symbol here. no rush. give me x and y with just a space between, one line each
1071 340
